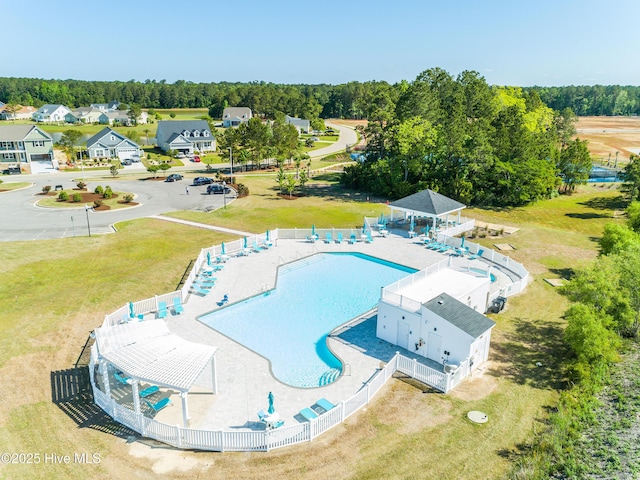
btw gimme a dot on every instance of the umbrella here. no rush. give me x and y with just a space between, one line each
412 224
224 252
132 313
209 258
271 409
244 242
268 236
313 230
462 243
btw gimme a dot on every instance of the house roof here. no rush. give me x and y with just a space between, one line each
103 138
167 129
11 133
49 108
149 352
460 315
429 202
237 112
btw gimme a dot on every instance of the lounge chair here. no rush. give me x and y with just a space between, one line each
325 405
476 255
211 269
222 258
159 405
147 392
256 248
201 282
262 415
200 290
267 244
353 239
339 237
328 238
162 309
121 378
177 306
308 414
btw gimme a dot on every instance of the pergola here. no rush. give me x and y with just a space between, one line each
428 203
148 352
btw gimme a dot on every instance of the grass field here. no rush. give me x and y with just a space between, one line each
55 292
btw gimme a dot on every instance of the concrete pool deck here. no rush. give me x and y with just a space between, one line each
244 377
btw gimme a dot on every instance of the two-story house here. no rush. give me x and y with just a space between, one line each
25 146
302 125
185 136
51 113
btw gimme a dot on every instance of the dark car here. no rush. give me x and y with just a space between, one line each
12 171
126 161
217 188
174 177
202 181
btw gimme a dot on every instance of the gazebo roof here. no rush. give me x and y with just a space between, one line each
148 351
428 202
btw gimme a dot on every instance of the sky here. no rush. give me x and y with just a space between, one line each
509 42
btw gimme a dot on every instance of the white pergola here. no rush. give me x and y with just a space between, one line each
428 203
148 352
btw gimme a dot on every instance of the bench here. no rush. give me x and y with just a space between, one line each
59 187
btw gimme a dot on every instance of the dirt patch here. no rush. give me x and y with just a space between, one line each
610 137
478 385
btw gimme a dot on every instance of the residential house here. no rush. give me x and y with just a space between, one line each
185 136
25 146
121 117
83 115
22 113
51 113
303 126
106 107
110 144
234 116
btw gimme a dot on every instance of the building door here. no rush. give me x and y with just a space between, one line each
403 335
433 348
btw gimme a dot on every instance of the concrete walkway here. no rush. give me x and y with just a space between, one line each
202 225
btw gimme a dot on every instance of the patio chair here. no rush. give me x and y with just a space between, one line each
121 378
476 255
325 405
256 248
211 269
201 282
224 300
339 237
159 405
147 392
328 238
311 239
200 290
308 414
353 239
177 306
162 309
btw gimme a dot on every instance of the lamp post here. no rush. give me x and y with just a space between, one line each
74 227
231 163
86 210
224 193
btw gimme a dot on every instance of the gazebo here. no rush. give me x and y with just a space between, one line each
148 352
428 203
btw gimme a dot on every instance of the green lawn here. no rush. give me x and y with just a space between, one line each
56 291
4 185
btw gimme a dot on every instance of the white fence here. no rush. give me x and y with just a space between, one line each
265 440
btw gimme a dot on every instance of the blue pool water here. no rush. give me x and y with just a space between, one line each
601 174
484 272
289 325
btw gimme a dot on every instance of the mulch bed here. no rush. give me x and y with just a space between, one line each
89 197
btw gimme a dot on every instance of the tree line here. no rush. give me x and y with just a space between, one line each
592 100
348 100
477 143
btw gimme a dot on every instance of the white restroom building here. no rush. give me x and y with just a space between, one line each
438 316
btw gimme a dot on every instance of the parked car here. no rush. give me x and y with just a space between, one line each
202 181
126 161
196 158
181 155
174 177
135 158
217 188
12 171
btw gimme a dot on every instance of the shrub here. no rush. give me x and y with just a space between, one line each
243 190
81 185
97 203
76 198
108 193
46 189
128 198
99 190
63 196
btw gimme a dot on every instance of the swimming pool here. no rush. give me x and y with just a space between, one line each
289 324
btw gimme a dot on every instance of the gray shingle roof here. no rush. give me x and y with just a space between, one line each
104 138
167 128
428 201
12 133
459 315
236 112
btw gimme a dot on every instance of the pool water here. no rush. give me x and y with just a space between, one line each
289 324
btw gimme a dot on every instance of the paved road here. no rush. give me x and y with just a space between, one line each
21 219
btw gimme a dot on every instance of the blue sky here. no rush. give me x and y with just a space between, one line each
508 42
